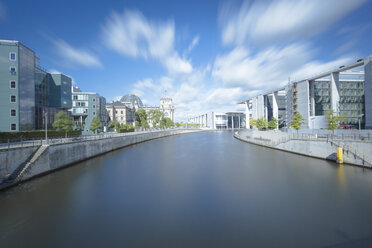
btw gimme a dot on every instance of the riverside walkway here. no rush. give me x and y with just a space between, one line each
356 148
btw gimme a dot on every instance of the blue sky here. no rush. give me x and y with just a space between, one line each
207 55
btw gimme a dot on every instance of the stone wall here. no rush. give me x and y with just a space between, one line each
11 158
317 148
57 156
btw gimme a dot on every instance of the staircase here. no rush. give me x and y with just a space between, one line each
17 174
31 161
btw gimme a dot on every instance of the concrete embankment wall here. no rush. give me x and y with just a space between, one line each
318 149
57 156
11 158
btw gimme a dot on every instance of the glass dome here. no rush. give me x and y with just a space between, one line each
133 99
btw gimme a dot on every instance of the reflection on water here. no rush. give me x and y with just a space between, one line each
196 190
341 176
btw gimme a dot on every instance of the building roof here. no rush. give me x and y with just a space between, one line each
133 99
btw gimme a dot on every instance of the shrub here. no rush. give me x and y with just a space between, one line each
35 134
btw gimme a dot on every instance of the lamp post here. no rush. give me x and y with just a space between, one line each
360 116
46 128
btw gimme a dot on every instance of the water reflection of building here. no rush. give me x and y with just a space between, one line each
215 120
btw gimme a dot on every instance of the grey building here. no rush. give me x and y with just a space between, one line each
213 120
121 112
85 107
346 90
27 92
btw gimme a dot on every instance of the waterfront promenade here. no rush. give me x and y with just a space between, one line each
356 147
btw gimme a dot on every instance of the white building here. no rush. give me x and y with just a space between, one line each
215 120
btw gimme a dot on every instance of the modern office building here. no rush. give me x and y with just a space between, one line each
346 90
28 93
220 121
121 112
85 107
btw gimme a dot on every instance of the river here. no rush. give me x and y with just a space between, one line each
202 189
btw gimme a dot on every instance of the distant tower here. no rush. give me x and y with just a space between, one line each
166 106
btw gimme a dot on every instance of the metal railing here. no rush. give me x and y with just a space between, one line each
61 140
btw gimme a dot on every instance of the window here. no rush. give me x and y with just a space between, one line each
12 98
13 70
74 97
94 99
12 112
121 118
13 127
12 84
94 106
85 111
116 111
122 112
12 56
94 113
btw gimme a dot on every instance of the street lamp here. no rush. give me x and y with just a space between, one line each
46 128
359 117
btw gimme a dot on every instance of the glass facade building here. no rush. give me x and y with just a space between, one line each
27 92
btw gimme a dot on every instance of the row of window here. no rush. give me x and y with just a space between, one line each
81 98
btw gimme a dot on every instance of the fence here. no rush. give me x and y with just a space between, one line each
20 143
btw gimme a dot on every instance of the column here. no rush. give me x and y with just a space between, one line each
335 96
247 126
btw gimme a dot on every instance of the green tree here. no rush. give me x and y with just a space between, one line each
297 121
141 118
252 122
155 116
261 123
166 122
62 122
273 124
95 125
115 124
333 119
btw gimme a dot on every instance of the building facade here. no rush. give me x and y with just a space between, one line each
28 94
134 102
85 107
121 112
219 121
346 90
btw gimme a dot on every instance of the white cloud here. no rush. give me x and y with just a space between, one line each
76 56
270 68
133 35
193 43
261 71
281 20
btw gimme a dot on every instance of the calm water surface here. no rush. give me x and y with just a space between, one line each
195 190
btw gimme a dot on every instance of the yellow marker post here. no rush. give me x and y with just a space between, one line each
340 159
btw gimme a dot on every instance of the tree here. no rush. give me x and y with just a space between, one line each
95 125
62 122
155 116
333 119
297 121
261 123
252 122
141 119
273 124
166 123
115 124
